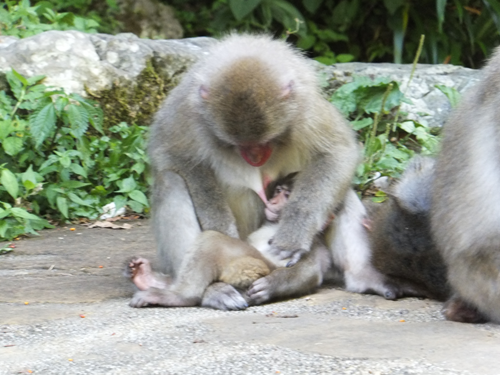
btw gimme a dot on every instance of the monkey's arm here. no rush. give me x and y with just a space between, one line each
298 280
212 209
319 189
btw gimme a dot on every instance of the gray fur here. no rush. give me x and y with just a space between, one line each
402 245
193 141
466 198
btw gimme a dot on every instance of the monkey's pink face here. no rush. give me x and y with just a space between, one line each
256 155
277 202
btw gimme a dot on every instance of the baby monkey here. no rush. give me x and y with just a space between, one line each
249 267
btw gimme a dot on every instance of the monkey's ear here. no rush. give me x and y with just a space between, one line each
287 90
204 92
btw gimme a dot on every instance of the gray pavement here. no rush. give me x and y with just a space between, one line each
61 313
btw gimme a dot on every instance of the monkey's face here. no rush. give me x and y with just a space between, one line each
248 109
277 202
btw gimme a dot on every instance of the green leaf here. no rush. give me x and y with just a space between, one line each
79 119
138 167
135 206
43 123
62 205
407 126
139 196
9 181
127 185
286 14
12 145
22 213
20 77
95 113
35 80
78 169
75 198
312 5
5 129
119 202
451 93
4 227
28 185
393 5
4 213
344 57
65 161
361 124
440 8
30 178
242 8
73 184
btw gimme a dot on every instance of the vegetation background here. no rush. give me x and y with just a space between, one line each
58 164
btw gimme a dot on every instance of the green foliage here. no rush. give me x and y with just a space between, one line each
452 94
19 18
373 108
462 32
51 167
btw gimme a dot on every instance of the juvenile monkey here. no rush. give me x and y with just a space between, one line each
220 258
466 201
248 113
400 235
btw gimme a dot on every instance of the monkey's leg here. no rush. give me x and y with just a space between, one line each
176 228
283 282
351 251
138 270
199 269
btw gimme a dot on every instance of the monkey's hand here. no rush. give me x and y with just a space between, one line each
260 291
291 256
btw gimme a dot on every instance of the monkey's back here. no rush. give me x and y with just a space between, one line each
466 195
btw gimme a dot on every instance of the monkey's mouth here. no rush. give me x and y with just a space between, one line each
256 155
271 215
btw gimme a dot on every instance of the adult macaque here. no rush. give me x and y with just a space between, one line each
248 113
400 235
466 201
217 257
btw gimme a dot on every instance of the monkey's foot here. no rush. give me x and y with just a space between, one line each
260 291
142 298
161 297
222 296
140 272
457 310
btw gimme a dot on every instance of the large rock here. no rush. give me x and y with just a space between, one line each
429 104
130 76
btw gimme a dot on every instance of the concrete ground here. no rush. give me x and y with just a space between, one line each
64 310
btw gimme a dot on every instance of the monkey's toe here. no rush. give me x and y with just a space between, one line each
223 296
259 291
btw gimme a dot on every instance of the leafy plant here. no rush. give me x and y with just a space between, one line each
372 106
19 18
462 32
53 167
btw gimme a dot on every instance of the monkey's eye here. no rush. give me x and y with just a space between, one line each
278 190
287 194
